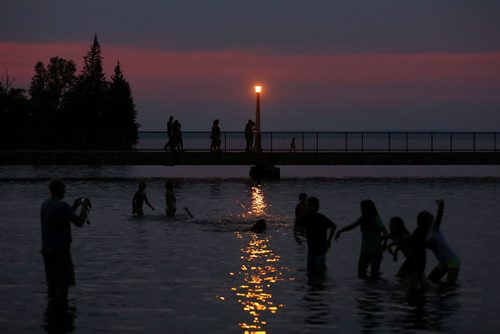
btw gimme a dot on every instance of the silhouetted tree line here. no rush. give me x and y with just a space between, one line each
64 110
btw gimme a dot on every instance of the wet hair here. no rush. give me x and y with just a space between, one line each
313 203
302 196
397 227
169 185
425 219
259 226
142 185
57 188
368 209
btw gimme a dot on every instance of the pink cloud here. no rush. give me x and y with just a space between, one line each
364 79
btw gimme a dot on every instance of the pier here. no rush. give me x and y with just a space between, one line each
311 148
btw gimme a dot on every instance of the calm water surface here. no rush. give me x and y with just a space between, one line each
211 275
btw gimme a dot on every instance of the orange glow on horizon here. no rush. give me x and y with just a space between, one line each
353 79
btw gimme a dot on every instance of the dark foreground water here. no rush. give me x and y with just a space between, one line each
211 275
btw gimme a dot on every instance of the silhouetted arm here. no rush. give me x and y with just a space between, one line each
439 215
347 228
332 232
147 202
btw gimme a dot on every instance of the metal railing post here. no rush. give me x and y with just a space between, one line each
271 141
317 142
432 141
474 142
451 142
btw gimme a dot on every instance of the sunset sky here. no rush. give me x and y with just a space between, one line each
324 64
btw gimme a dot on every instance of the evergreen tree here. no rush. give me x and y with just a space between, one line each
49 88
121 117
88 98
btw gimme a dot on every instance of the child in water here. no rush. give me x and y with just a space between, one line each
449 262
139 199
170 199
400 237
373 232
319 232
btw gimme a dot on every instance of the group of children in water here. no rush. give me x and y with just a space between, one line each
140 198
318 230
375 239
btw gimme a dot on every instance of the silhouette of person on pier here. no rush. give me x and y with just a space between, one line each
249 130
56 219
293 146
139 198
170 133
215 136
372 242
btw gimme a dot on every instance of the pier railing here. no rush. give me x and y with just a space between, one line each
335 141
392 141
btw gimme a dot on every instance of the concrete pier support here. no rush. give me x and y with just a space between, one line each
265 172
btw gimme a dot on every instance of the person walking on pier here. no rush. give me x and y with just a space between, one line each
215 136
293 146
170 133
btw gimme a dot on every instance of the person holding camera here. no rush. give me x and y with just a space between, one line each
56 218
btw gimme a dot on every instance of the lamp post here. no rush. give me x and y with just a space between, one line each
258 146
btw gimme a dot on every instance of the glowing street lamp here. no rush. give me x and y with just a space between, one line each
258 146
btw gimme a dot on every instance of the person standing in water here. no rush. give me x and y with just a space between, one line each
372 243
299 223
170 200
139 198
400 237
56 218
449 262
319 232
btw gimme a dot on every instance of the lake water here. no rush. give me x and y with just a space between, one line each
211 275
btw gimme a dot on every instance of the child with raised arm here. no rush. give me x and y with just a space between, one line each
372 239
317 236
170 199
449 262
139 199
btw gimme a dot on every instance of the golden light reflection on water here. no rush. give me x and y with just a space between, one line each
259 271
258 202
